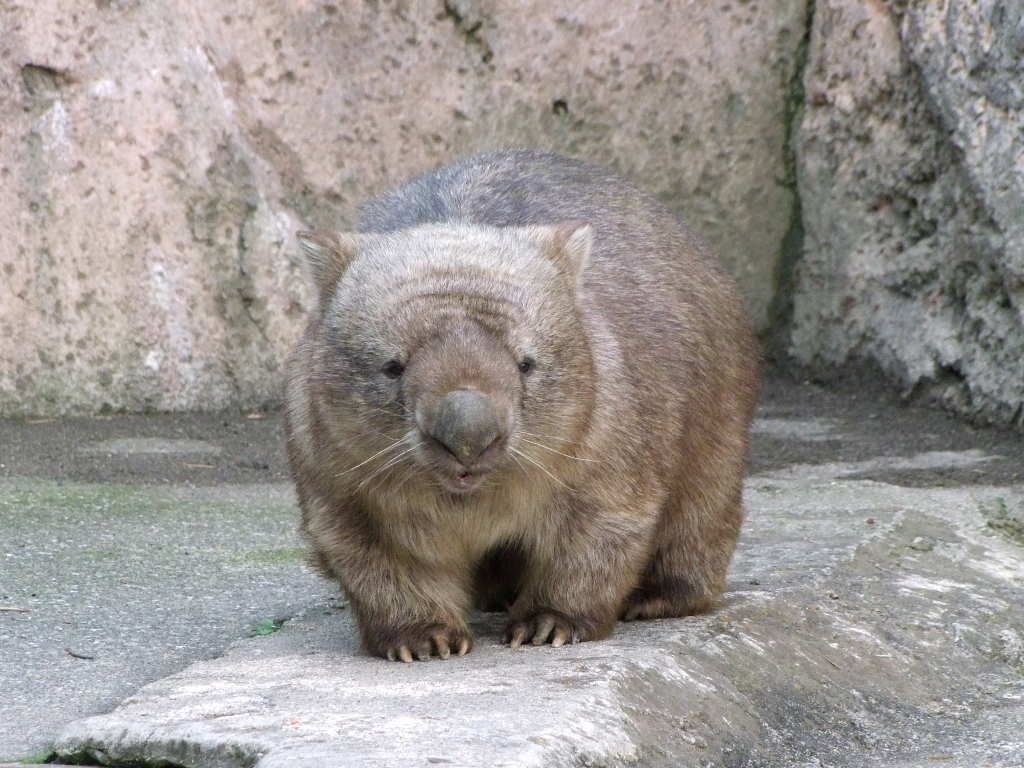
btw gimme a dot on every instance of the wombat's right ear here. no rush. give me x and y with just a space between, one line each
329 256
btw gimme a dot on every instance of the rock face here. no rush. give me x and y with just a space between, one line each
147 258
911 176
158 158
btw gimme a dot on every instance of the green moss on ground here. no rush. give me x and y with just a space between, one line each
1000 521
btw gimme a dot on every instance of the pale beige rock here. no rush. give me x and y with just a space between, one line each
147 259
157 159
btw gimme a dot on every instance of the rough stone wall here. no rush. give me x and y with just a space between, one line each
910 158
157 158
147 258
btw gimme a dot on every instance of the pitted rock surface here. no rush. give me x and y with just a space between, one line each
911 181
158 159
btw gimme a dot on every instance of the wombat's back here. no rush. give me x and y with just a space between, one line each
525 187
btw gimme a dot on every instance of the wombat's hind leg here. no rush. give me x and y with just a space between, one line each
659 597
687 570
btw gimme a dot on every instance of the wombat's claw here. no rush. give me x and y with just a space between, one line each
440 644
539 628
403 653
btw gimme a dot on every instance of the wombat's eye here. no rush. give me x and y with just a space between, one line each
526 365
393 369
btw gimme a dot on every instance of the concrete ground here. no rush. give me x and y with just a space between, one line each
152 584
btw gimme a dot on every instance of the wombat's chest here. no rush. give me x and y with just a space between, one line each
465 528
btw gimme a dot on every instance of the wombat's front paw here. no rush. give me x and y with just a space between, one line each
420 641
543 625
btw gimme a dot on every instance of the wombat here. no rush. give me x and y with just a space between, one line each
526 385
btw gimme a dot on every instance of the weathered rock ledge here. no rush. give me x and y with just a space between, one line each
866 624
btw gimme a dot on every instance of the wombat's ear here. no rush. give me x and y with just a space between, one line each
329 256
569 247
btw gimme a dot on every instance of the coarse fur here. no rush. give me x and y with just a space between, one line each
565 329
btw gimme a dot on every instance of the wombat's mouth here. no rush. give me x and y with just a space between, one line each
458 477
463 481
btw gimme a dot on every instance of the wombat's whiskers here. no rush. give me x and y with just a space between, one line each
375 432
378 453
388 465
546 448
401 407
518 463
539 466
365 422
546 437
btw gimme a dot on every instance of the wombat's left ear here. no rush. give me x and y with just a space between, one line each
571 242
328 256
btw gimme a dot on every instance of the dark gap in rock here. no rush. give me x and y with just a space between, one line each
780 310
41 80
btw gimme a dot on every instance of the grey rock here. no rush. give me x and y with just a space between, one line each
811 430
126 446
151 562
912 186
136 581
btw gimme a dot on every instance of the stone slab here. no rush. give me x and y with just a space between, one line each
152 562
865 624
114 585
127 446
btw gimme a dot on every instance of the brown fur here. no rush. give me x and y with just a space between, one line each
614 488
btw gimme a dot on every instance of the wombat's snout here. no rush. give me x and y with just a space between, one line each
467 424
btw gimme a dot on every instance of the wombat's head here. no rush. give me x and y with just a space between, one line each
451 351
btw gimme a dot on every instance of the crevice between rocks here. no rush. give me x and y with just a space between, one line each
780 310
244 287
96 758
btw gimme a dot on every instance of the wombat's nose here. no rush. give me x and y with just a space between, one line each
467 424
